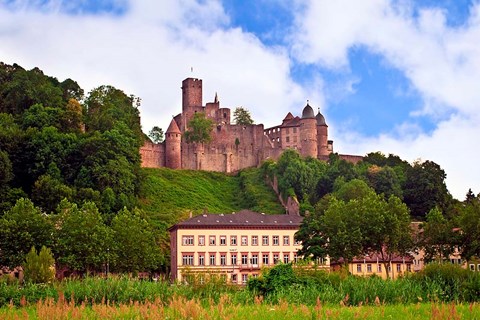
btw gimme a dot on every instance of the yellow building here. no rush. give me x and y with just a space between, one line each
374 265
234 246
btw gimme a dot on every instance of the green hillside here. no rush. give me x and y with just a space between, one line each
170 195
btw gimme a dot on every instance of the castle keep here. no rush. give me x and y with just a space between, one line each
234 147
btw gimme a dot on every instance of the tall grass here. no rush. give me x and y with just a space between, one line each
432 285
181 308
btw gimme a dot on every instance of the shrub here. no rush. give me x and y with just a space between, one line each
39 268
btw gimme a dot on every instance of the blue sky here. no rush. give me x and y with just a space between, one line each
397 76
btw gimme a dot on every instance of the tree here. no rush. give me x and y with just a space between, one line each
368 224
468 223
156 134
106 106
6 171
242 116
384 180
438 237
22 227
135 243
199 129
83 238
39 268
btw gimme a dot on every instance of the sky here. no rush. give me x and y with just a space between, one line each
400 77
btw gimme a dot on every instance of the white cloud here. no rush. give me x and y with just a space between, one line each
442 63
149 50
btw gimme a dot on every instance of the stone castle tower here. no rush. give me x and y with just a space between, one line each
234 147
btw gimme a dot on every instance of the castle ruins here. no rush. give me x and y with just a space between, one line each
234 147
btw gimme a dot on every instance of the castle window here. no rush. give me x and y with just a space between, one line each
287 139
224 114
294 130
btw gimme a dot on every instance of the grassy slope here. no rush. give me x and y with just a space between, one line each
171 194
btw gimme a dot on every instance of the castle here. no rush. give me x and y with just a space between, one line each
234 147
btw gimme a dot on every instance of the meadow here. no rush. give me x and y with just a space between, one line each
440 292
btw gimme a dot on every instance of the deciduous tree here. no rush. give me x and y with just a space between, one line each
242 116
199 129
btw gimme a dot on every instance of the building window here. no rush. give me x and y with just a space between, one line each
212 240
201 240
286 130
265 258
265 240
187 240
233 240
223 259
244 278
234 278
287 139
379 268
244 240
223 240
275 258
275 240
295 257
187 259
369 268
244 259
254 259
201 259
202 279
212 259
254 240
359 267
294 130
472 267
286 240
399 267
234 259
295 139
286 258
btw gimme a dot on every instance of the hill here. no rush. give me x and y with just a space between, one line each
170 195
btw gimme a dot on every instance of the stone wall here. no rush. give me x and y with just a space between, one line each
152 155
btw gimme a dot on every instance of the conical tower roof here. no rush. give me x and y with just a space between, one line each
308 112
320 119
173 127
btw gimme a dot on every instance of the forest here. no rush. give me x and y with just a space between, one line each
70 180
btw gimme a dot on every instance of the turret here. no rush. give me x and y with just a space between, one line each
322 136
308 133
173 152
191 100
